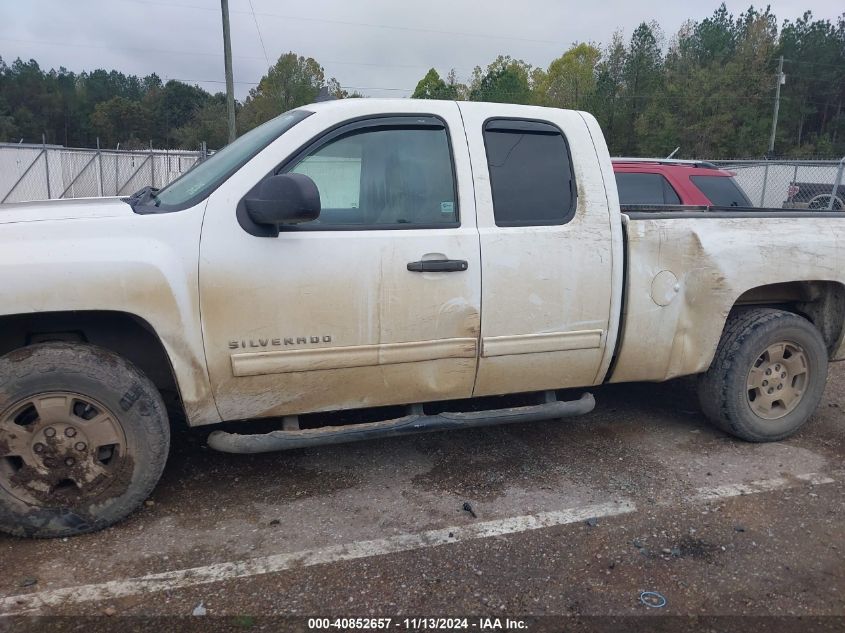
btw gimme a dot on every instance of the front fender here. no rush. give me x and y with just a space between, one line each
145 265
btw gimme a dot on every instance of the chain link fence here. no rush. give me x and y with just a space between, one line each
790 184
42 172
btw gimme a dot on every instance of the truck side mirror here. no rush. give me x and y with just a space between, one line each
285 199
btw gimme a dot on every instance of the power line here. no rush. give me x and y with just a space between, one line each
212 81
255 83
362 24
260 39
147 49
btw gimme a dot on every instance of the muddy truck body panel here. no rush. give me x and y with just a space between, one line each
331 318
95 256
686 274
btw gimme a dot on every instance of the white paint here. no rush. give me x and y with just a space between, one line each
16 605
178 579
761 485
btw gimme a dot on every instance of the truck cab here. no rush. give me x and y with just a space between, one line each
431 215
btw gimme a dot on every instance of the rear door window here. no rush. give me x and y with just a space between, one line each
722 191
645 189
530 173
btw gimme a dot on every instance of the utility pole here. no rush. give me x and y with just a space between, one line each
230 83
781 80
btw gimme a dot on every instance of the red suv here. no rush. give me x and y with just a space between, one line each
651 181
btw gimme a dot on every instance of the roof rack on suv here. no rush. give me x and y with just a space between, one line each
665 161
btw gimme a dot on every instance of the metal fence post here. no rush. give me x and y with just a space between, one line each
765 182
46 164
116 176
138 170
152 166
835 191
99 169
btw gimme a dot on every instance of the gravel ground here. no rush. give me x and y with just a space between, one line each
779 552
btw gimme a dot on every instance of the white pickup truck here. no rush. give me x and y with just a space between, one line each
406 258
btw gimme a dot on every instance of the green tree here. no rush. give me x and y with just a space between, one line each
207 124
291 82
121 120
570 81
642 76
812 120
610 85
717 89
505 80
173 106
433 87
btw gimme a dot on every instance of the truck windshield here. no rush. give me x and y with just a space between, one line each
200 181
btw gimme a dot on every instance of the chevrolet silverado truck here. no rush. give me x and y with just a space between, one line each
368 268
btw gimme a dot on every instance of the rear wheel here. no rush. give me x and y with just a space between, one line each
767 377
83 439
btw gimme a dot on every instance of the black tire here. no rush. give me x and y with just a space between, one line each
723 390
122 475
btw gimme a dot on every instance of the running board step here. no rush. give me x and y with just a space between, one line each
285 440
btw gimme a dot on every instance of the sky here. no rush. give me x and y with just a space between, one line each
377 47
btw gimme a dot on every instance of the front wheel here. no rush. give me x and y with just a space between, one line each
83 439
767 377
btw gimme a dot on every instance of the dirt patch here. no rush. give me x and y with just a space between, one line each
697 548
483 464
216 482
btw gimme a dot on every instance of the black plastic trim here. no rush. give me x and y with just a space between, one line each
623 307
531 126
438 266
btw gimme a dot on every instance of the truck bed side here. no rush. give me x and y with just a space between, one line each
686 271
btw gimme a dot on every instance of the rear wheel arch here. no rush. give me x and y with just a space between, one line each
821 302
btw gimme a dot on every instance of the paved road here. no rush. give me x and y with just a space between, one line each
575 517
